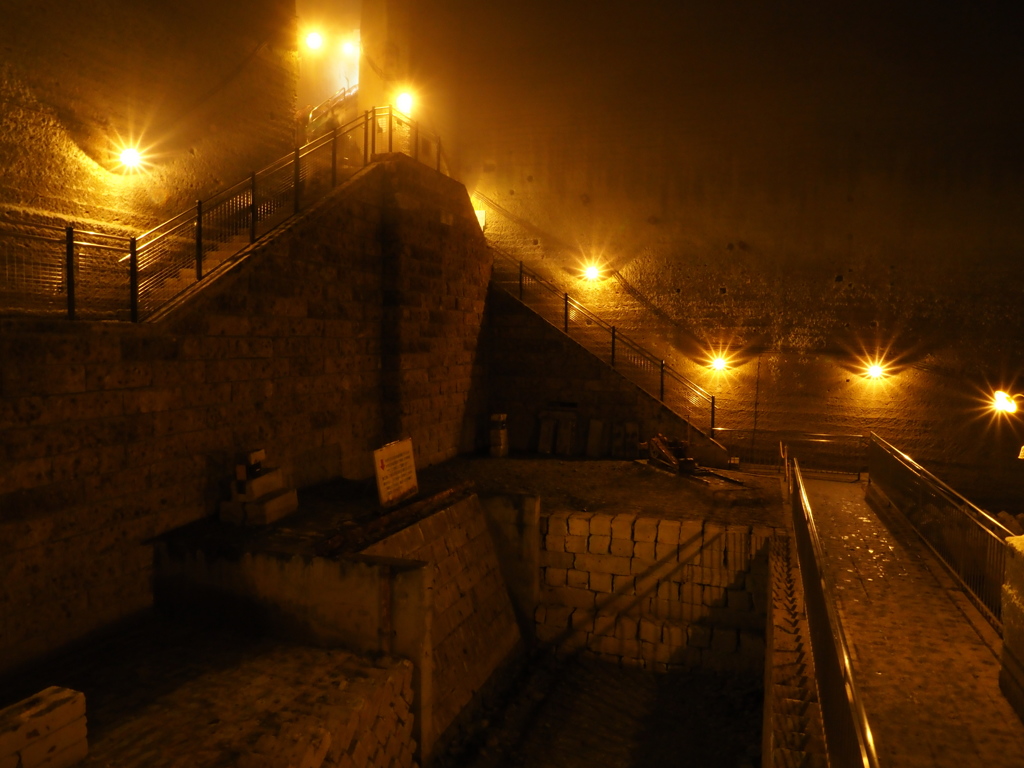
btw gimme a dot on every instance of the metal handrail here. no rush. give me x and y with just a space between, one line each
968 540
848 737
168 259
982 516
621 347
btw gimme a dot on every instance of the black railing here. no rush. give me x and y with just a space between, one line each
848 738
602 339
48 270
817 451
51 270
969 540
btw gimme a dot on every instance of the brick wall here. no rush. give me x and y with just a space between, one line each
474 630
652 592
111 434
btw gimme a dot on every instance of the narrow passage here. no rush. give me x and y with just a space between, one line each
590 714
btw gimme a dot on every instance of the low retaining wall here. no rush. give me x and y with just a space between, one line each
654 593
473 631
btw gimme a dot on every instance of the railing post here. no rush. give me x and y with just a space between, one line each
334 157
297 180
662 386
613 346
520 280
391 129
69 269
366 138
712 416
252 208
133 278
566 318
199 240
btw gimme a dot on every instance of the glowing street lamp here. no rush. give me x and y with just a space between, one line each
130 157
404 102
719 363
592 272
314 41
1004 402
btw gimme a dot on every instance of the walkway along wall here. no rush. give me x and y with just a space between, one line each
355 325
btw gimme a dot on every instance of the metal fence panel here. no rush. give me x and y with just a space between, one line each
182 250
969 540
637 364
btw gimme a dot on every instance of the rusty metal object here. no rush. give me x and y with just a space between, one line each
672 455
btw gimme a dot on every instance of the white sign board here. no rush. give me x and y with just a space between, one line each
396 472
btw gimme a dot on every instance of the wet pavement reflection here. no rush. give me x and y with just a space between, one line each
926 663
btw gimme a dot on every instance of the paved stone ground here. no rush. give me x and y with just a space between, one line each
584 713
927 668
163 694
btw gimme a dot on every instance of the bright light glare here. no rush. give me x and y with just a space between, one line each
314 41
1004 402
349 48
719 363
591 272
876 371
404 103
130 157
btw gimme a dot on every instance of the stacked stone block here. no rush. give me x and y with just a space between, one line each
474 629
47 730
655 593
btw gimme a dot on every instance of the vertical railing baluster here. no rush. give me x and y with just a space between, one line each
662 387
366 138
252 208
133 279
199 240
297 179
712 416
391 129
566 318
520 280
69 269
334 157
613 346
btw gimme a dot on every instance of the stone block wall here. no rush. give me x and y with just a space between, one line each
532 366
652 592
434 284
112 433
474 630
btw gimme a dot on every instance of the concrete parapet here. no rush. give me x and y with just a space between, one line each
1011 675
